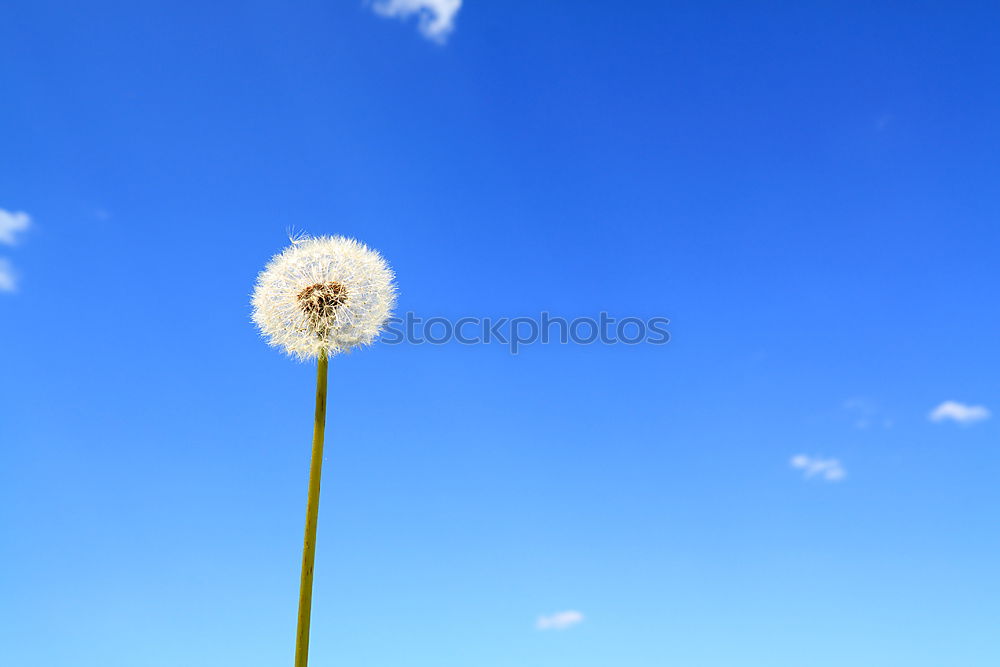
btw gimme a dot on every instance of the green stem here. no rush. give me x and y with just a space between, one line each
312 514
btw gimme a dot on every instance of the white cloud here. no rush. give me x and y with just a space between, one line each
8 280
828 469
436 18
12 224
867 414
959 412
559 621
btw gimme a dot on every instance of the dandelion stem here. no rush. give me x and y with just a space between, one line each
312 514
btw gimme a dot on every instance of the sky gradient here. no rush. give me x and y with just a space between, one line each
807 191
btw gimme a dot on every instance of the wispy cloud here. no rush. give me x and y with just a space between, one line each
866 413
559 621
959 412
828 469
8 280
435 18
12 224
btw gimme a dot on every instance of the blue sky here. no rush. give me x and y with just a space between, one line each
807 191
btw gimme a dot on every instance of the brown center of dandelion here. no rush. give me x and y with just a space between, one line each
319 301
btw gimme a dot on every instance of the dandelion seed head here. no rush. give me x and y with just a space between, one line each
327 292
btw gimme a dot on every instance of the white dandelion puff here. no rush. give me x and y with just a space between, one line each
325 293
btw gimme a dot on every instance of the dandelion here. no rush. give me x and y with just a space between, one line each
327 294
320 297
